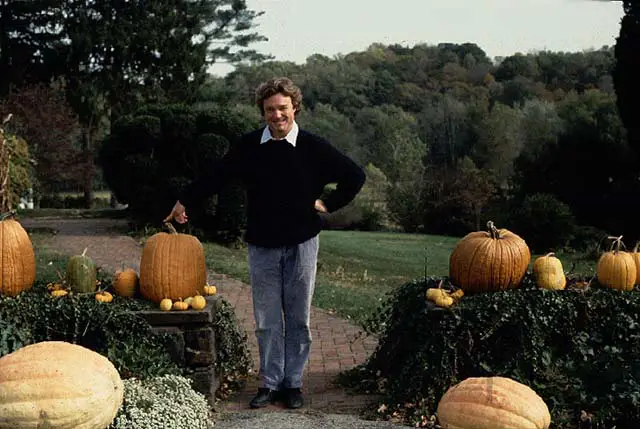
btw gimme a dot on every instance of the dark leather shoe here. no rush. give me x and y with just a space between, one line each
263 398
293 398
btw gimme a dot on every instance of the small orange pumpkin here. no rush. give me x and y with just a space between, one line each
210 289
616 268
125 282
180 305
104 296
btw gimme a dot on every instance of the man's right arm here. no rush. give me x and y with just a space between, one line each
214 178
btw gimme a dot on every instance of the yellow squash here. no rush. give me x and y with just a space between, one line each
548 272
198 302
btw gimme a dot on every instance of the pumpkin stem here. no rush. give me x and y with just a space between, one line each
7 118
617 243
7 215
84 251
170 227
549 254
635 248
493 230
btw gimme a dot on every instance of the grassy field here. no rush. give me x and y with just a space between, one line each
356 269
105 195
49 264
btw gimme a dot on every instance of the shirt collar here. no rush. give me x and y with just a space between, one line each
292 137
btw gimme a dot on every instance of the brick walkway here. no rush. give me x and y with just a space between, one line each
336 345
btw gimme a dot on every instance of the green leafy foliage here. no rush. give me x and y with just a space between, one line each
111 329
576 348
233 360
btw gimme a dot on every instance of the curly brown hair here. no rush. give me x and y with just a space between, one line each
278 85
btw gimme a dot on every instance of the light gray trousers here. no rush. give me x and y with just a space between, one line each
282 282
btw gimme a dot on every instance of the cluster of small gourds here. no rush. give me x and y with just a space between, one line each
196 302
57 290
442 297
81 278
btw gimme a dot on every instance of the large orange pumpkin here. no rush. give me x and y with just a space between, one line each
492 402
616 268
18 261
55 384
172 266
485 261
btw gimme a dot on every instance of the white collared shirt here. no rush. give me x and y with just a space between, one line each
291 137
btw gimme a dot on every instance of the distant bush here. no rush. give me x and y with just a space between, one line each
369 210
545 222
57 201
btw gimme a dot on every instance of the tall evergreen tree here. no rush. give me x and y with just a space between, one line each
116 54
627 69
27 35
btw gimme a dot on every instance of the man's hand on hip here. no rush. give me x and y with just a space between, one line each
320 206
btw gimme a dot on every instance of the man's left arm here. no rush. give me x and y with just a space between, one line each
348 176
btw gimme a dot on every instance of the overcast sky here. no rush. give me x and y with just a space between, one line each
299 28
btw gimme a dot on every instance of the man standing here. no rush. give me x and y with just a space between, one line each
284 170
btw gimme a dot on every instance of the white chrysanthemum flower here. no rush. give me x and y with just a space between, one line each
162 402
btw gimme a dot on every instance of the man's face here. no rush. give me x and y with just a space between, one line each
279 114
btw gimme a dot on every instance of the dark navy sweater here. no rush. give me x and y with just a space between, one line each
282 184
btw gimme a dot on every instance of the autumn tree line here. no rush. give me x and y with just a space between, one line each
543 143
533 142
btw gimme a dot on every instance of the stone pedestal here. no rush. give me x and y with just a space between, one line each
193 343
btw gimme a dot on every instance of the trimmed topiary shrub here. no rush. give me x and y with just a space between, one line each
577 348
153 154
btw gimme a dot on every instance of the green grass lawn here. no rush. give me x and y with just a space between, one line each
49 263
356 269
105 194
